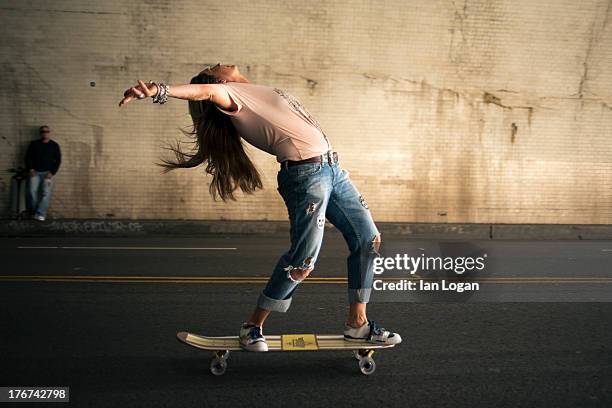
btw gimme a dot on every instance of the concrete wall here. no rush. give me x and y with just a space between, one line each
442 111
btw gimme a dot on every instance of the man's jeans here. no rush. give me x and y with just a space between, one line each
40 206
313 192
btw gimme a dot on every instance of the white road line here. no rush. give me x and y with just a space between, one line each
37 247
126 248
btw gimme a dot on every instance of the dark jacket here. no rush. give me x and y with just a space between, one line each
43 156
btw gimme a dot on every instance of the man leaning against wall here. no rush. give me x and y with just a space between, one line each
43 159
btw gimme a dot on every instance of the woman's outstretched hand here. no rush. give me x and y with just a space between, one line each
143 90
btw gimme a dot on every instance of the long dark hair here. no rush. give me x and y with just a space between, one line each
216 142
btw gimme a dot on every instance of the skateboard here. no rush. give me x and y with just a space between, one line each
222 346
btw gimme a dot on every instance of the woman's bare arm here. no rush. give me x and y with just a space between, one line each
192 92
203 92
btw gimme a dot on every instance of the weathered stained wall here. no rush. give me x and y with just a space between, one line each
458 111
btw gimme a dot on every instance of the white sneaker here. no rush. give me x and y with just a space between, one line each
251 338
371 333
39 217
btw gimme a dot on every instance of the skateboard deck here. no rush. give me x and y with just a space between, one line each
221 347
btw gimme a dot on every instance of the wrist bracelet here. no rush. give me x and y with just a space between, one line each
161 96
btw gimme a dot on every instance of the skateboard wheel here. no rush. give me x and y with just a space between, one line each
367 365
356 354
218 366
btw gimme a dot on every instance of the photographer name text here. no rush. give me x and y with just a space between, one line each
425 286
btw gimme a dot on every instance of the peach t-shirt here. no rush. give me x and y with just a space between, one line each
275 121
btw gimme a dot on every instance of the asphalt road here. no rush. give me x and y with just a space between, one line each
100 315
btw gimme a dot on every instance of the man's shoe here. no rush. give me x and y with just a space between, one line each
38 217
251 338
371 333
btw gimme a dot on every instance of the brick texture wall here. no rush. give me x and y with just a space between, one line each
442 111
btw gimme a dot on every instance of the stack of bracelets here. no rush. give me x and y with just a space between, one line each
161 96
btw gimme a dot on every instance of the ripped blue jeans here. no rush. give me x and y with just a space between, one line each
313 192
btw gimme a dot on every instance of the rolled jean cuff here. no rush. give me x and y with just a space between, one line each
359 295
274 305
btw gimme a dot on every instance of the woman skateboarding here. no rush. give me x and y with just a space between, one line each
226 107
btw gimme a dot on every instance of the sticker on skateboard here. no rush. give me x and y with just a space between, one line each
221 347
